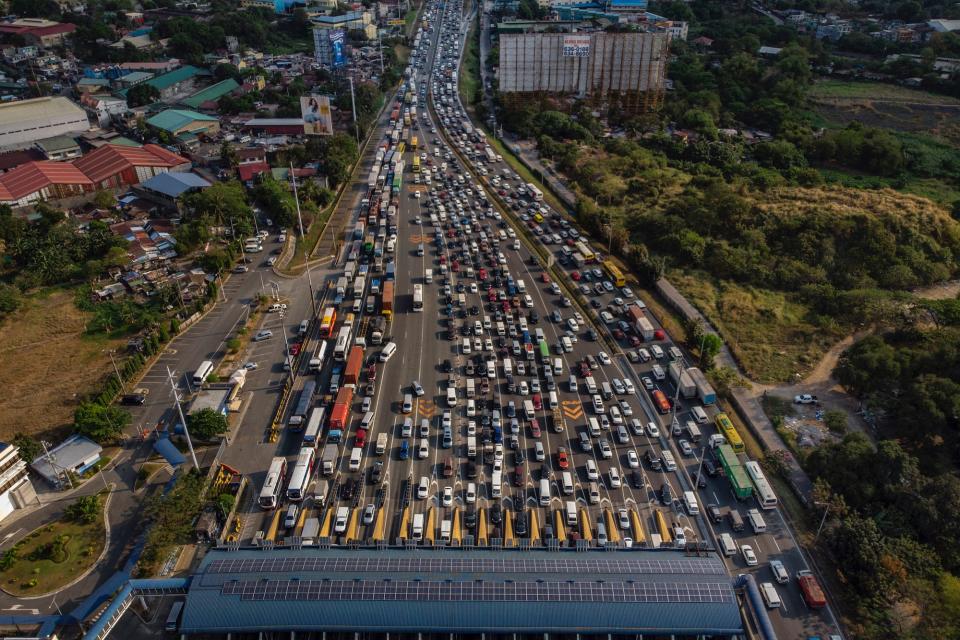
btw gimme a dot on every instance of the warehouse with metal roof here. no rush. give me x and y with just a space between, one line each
465 591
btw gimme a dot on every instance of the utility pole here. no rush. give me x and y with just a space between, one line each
116 370
353 105
183 419
303 236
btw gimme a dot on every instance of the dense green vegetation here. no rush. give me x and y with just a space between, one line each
892 532
171 516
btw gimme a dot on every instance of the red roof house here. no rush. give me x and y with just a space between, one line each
112 166
42 180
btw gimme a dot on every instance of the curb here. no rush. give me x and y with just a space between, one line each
91 568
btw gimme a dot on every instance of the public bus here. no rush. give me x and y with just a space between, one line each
661 402
418 297
202 372
270 494
584 249
615 274
762 489
401 147
311 435
544 352
343 342
416 164
535 193
328 322
397 182
726 428
413 143
300 478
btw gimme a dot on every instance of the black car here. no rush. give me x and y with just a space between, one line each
666 494
496 517
534 317
471 471
710 468
447 366
470 519
133 399
715 514
592 334
520 524
636 478
519 458
347 489
699 480
376 472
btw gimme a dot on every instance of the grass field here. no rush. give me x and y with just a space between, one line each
769 334
83 545
470 69
861 91
47 362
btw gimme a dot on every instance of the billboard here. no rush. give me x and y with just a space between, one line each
317 118
577 46
338 56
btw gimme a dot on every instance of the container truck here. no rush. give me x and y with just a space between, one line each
810 588
645 328
340 415
387 301
381 444
342 284
378 327
351 375
328 461
705 392
682 380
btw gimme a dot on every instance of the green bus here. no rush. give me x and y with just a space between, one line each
544 352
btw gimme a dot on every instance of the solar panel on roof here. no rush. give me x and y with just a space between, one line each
604 592
674 566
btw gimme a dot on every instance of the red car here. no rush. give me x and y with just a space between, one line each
295 348
635 341
537 402
562 460
535 428
545 278
372 372
618 334
584 369
659 334
443 259
483 274
575 275
361 438
518 477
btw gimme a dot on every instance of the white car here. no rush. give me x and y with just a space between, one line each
623 518
653 429
631 390
368 512
263 335
615 481
603 357
424 450
447 496
625 408
524 389
805 399
685 447
572 323
447 420
748 555
472 428
633 460
779 571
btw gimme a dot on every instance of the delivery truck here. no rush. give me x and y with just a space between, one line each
328 461
811 590
705 391
680 377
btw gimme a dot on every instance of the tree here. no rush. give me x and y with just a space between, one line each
836 421
142 94
228 155
105 199
712 344
27 447
207 423
10 299
85 509
100 423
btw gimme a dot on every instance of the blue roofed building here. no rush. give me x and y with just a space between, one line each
166 189
463 591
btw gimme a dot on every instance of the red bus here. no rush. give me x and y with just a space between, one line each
661 402
328 322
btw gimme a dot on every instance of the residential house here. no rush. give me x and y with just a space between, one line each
74 456
182 123
16 490
167 189
59 148
38 31
251 163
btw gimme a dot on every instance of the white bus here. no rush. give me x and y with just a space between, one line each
270 494
536 193
300 477
314 426
418 297
202 372
761 488
343 343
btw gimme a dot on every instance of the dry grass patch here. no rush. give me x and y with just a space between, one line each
47 363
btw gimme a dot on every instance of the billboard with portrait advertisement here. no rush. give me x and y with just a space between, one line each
317 117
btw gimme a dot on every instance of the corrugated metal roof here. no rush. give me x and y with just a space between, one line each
367 590
213 92
174 184
173 119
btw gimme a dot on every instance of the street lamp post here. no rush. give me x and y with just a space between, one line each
116 370
183 419
303 236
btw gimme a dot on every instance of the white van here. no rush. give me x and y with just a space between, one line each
591 385
417 528
451 396
594 493
428 276
669 463
501 328
554 401
445 528
606 390
757 523
471 446
566 482
594 425
571 513
471 496
567 344
544 492
521 286
340 524
699 414
465 347
657 351
496 484
507 367
690 501
355 456
388 350
658 373
770 595
727 545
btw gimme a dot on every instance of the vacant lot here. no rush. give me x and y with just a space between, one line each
770 336
888 106
46 363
